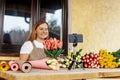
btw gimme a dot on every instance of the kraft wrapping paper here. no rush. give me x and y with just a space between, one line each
24 66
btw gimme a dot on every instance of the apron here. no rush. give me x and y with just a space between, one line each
37 53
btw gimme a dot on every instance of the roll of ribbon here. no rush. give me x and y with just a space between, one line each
4 66
13 65
24 66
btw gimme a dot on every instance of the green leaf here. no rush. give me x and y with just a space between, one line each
48 53
78 52
54 53
116 54
59 51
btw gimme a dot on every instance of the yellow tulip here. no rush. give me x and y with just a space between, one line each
79 56
67 63
79 60
60 65
64 66
53 67
62 60
69 57
49 61
53 63
54 60
67 60
70 61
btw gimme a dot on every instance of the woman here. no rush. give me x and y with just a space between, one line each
33 49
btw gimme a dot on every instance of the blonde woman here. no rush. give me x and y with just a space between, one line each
33 49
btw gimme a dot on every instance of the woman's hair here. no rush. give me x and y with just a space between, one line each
33 35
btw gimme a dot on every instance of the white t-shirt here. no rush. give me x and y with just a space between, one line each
27 47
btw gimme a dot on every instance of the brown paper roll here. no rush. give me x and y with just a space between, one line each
24 66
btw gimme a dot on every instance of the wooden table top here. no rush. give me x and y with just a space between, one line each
64 74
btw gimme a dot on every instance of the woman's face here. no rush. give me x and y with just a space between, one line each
42 31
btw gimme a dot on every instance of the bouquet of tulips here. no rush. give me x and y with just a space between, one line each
53 64
45 63
107 60
91 60
53 47
66 61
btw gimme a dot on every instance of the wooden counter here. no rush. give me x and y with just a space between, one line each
64 74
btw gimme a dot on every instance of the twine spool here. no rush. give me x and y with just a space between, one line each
24 66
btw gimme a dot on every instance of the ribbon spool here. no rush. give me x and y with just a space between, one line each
14 65
4 66
24 66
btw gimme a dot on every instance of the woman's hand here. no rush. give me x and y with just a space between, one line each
24 57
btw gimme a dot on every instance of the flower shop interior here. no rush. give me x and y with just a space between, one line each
92 26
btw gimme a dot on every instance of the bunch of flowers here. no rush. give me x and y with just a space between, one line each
53 64
66 61
91 60
45 63
107 60
53 47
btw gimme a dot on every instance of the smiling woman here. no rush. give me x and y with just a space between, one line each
35 51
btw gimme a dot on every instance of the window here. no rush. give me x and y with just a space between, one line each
15 28
18 17
55 24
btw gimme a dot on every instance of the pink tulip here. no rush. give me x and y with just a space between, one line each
52 43
59 45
